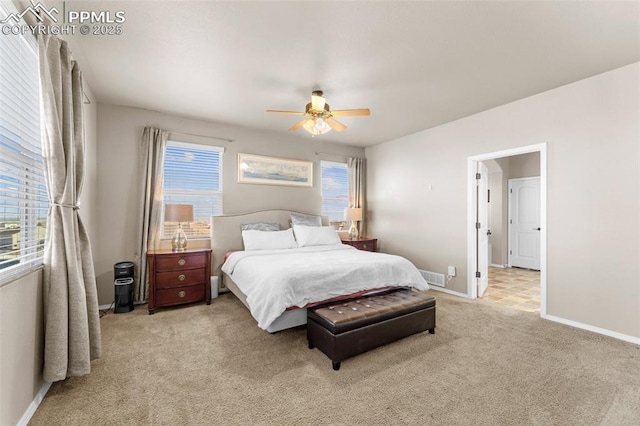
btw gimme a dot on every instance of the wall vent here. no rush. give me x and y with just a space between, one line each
433 278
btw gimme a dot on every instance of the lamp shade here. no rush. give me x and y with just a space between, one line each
353 213
178 213
316 126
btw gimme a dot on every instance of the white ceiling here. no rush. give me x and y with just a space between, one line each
414 64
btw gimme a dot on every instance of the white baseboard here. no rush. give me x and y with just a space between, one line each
112 304
498 266
614 334
446 290
24 421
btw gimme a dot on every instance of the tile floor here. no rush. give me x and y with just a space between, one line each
515 287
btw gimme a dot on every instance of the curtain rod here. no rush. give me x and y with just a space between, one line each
202 136
331 155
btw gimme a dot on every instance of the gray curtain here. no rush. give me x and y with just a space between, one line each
355 178
72 324
153 145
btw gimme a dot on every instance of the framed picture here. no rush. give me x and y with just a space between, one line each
262 170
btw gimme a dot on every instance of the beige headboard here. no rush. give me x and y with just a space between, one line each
226 234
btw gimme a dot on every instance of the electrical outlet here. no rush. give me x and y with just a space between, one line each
451 271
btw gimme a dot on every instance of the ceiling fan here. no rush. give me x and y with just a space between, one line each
319 117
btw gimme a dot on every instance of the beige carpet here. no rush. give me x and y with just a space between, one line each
485 365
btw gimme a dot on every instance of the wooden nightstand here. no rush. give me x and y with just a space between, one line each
366 244
176 278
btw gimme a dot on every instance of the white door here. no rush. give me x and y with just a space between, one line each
524 223
482 226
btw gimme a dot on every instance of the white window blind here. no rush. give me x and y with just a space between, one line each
335 190
193 175
23 194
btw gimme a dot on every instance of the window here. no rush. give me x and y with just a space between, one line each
23 195
193 175
335 191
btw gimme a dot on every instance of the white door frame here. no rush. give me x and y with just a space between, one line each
472 291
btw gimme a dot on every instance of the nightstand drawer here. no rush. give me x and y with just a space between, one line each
176 262
173 279
180 295
365 244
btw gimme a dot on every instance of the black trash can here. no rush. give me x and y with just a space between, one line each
123 283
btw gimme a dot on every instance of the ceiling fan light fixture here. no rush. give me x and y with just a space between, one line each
322 125
319 116
316 126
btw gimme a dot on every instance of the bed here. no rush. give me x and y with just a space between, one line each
277 285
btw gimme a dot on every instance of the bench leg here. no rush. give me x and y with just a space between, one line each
336 366
432 331
311 345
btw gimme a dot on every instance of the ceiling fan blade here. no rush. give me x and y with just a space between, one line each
335 125
317 102
350 112
299 124
285 112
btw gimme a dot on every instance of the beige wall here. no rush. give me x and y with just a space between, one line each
591 129
21 314
525 165
89 196
497 211
119 130
21 346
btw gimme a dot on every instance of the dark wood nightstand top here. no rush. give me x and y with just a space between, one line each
169 251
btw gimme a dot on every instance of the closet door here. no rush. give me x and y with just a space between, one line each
524 223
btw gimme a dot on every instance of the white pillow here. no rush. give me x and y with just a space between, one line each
268 240
315 235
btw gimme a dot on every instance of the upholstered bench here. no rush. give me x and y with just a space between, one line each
344 329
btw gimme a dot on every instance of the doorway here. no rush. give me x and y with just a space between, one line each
478 272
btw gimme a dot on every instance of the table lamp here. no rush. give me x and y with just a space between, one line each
178 213
353 214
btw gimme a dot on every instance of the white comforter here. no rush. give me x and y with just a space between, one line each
274 280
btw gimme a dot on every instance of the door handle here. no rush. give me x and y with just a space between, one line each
536 229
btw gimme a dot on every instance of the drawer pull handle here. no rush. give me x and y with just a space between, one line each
182 294
182 262
181 277
364 246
